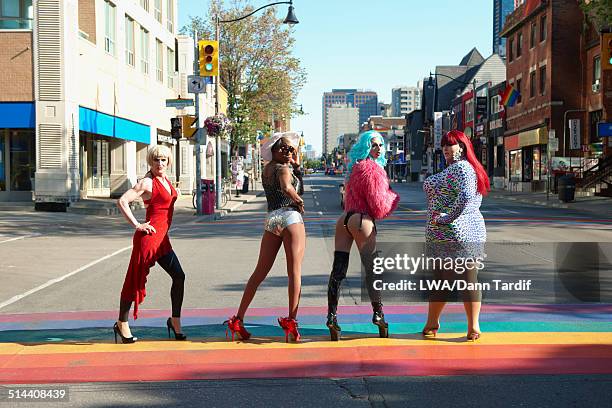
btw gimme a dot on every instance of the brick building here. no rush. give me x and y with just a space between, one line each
557 83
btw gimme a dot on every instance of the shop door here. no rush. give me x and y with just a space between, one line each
98 167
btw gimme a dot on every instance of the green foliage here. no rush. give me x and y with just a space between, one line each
599 12
312 164
257 67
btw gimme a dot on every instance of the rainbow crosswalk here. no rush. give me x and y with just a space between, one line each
517 339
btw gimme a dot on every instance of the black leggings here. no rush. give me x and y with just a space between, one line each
172 266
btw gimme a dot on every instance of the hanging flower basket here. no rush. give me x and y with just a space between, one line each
218 125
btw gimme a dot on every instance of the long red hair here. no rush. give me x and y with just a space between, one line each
457 137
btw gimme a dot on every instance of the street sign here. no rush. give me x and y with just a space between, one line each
178 103
574 126
196 84
553 145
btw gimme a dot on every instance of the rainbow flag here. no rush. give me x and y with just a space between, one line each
509 96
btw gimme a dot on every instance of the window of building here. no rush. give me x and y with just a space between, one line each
543 80
532 37
129 41
16 14
144 51
170 67
596 73
543 28
170 15
157 10
519 99
519 45
495 102
144 4
109 27
532 84
516 168
159 60
21 159
511 49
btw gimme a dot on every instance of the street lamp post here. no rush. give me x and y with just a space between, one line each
430 84
291 20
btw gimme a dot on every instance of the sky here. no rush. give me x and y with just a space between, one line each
373 44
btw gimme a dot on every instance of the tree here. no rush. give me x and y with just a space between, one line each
258 71
598 11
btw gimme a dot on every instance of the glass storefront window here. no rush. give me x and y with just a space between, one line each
527 164
544 162
536 163
22 161
516 165
2 174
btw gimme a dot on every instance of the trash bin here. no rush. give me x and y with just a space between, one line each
245 185
208 196
567 188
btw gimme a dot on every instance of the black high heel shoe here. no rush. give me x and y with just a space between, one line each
124 340
177 336
378 318
334 327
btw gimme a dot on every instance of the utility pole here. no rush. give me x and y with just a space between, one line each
196 71
218 137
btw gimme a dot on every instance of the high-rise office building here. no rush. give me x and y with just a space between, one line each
405 99
341 119
365 101
501 8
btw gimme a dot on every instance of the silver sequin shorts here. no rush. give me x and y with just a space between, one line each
278 220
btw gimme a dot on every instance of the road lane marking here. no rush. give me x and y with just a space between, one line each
19 238
61 278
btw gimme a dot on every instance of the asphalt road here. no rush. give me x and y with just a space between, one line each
70 262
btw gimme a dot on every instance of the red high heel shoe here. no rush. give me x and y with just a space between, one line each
289 325
235 324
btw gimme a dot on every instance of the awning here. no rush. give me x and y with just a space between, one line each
17 115
527 138
112 126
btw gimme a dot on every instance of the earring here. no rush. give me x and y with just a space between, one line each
458 155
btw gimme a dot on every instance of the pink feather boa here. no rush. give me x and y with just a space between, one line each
368 191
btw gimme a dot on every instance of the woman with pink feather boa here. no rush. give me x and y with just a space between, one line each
368 197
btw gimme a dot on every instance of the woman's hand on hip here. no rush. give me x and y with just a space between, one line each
147 228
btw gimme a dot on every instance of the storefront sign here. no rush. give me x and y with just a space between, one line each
574 126
553 145
165 139
495 124
565 163
533 137
604 129
437 130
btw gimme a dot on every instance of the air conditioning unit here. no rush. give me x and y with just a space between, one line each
595 86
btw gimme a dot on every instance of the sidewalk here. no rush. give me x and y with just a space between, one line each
595 204
600 205
185 203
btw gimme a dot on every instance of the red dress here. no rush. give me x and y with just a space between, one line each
148 248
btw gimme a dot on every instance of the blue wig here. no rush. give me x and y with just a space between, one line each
361 149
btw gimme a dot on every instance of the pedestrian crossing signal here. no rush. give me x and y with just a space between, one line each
176 125
189 125
209 58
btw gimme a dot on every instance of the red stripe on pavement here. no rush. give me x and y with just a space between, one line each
472 359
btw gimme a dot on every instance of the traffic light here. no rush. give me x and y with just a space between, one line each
189 125
176 127
606 51
209 57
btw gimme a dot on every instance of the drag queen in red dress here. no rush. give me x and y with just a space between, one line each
151 244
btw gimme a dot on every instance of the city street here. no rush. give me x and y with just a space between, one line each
58 304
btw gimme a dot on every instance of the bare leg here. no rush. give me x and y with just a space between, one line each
433 316
122 321
343 240
270 244
364 233
294 241
472 304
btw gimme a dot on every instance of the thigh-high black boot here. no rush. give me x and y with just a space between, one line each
378 317
338 273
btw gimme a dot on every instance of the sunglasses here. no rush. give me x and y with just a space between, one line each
286 149
377 144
